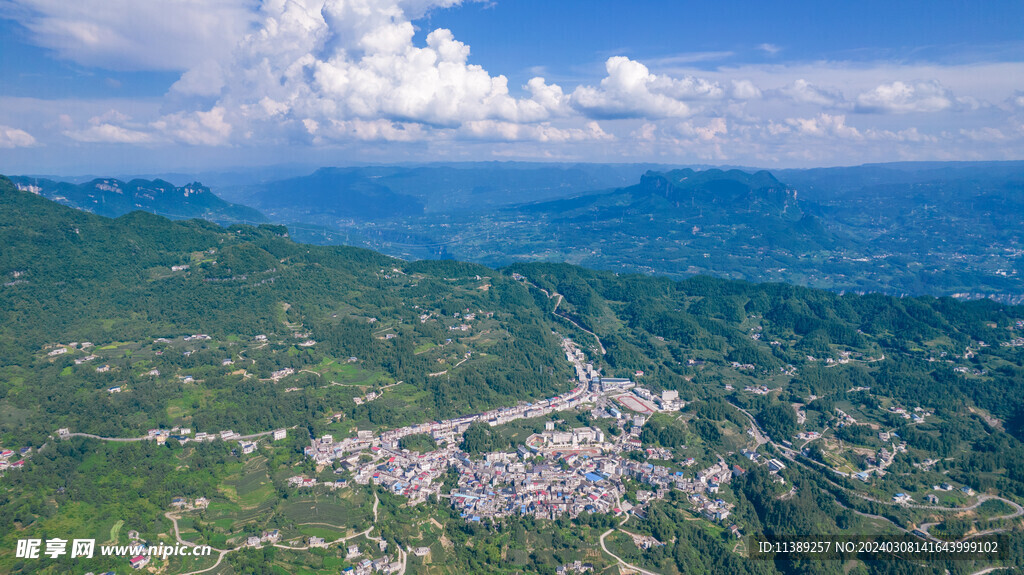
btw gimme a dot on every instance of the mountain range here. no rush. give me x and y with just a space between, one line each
112 197
902 228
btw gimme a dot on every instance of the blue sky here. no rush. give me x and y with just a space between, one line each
144 85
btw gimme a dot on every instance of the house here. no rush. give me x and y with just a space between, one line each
178 502
271 536
421 551
202 503
352 552
775 465
902 498
247 447
139 561
280 434
115 389
931 498
967 490
252 541
317 542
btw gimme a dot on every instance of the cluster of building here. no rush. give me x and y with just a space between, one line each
281 374
415 476
579 470
59 349
367 565
917 415
569 483
184 504
881 460
10 459
574 567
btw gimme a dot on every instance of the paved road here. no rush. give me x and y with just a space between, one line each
789 454
177 535
147 437
105 438
620 559
557 314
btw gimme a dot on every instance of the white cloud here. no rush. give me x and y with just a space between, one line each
714 128
986 134
544 132
900 97
135 34
745 90
15 138
804 92
823 125
336 72
907 135
200 128
110 134
630 90
338 69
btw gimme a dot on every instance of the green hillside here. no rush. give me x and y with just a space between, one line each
113 327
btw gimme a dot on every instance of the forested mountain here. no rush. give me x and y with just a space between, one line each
73 276
916 229
112 198
404 191
944 229
113 327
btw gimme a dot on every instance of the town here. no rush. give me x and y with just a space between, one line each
560 471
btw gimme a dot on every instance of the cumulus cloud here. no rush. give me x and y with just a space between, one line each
202 128
109 134
113 127
707 132
15 138
900 98
908 135
630 90
823 125
324 72
745 90
804 92
544 132
331 69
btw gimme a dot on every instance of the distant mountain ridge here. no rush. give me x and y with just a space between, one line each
335 193
111 197
732 188
380 192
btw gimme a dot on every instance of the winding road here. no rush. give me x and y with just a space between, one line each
622 561
1018 510
555 312
153 437
222 552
